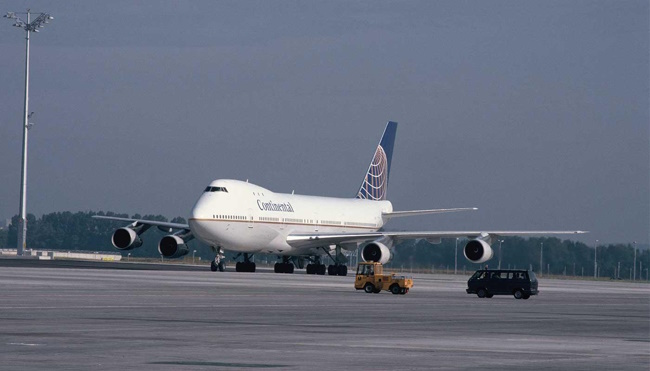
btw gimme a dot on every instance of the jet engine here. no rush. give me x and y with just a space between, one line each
376 252
126 239
478 251
172 246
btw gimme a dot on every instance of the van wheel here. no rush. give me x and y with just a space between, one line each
395 289
518 294
368 288
481 293
489 295
526 296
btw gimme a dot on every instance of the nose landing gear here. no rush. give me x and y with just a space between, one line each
218 263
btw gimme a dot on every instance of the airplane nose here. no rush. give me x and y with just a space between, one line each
200 209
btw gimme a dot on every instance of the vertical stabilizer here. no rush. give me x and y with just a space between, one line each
375 183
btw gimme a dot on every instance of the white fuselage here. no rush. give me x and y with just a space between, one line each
243 217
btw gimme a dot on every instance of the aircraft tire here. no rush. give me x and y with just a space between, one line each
320 270
331 270
221 267
213 266
342 270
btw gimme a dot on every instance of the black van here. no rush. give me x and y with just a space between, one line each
488 282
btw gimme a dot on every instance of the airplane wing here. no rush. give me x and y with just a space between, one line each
396 214
145 222
317 240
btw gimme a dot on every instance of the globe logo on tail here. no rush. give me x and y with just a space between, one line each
376 180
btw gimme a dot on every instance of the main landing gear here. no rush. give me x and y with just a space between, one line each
218 263
332 269
317 267
247 265
285 267
337 269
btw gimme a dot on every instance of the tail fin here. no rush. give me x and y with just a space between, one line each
375 183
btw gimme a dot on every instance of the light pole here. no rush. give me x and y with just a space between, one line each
456 257
128 257
634 264
29 26
596 261
193 252
500 242
541 258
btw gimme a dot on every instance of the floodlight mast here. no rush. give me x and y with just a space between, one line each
29 26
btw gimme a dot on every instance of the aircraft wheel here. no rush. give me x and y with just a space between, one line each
289 268
331 270
369 288
342 270
213 266
251 267
321 270
221 267
277 268
310 269
238 267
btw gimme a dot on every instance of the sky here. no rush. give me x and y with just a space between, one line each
535 112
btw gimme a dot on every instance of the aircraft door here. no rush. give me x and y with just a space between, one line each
250 218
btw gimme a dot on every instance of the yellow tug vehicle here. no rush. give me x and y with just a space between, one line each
371 279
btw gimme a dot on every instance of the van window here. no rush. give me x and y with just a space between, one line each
479 275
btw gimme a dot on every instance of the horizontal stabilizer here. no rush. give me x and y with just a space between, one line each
396 214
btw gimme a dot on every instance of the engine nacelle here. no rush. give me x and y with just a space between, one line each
478 251
172 247
376 252
126 239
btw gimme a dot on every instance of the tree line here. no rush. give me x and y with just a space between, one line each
79 231
559 257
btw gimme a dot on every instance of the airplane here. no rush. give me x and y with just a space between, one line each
247 219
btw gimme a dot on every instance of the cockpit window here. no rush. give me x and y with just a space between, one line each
215 189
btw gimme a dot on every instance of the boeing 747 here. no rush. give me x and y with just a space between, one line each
247 219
